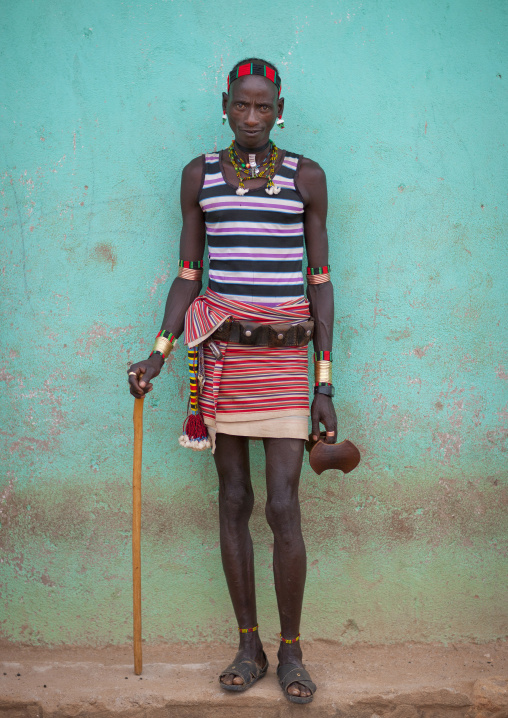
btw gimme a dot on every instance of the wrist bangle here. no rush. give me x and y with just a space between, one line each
327 389
164 343
323 372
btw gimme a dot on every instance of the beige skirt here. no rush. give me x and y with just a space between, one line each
282 427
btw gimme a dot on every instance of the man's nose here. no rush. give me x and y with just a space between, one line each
251 118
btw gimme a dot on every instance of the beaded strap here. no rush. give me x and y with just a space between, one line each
319 270
167 335
318 275
193 356
197 264
195 434
289 640
252 68
248 630
323 356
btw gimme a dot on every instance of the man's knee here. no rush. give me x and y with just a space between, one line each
283 514
236 502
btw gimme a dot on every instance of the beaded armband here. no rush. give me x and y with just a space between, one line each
318 275
323 368
164 343
190 270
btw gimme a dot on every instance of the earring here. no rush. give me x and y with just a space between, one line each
280 122
224 118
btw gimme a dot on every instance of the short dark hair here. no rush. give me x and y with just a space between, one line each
256 61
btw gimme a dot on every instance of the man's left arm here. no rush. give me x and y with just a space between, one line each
311 183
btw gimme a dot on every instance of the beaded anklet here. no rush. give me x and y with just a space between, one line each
248 630
318 275
164 342
289 640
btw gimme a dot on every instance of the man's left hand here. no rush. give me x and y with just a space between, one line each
323 411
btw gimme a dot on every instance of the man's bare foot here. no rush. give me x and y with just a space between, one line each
292 653
250 648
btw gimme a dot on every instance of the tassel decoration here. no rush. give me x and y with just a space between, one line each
195 434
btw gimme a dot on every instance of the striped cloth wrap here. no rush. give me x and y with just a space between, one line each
247 382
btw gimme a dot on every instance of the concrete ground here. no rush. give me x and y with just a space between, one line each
403 681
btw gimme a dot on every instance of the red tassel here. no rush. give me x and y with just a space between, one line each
195 427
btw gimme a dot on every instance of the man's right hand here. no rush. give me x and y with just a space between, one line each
141 374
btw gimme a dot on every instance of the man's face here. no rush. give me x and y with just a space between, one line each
252 107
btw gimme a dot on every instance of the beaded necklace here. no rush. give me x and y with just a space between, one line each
251 165
267 170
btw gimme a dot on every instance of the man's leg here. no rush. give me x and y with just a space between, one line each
236 500
283 466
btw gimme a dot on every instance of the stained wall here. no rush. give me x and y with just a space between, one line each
404 105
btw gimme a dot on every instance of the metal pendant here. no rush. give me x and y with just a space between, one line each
254 171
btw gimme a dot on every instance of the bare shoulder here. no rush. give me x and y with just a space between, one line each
311 171
192 178
311 180
193 171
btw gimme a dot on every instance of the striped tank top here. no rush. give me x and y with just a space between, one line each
255 241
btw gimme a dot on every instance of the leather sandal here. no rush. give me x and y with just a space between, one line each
289 673
246 669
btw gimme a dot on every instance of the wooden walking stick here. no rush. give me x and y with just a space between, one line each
136 532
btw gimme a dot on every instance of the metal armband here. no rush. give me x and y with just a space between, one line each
190 270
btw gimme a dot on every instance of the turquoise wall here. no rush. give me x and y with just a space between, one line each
404 105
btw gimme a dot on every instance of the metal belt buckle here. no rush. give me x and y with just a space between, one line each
215 350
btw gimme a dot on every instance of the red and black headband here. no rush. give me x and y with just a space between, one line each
250 68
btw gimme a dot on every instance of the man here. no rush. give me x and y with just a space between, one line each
256 206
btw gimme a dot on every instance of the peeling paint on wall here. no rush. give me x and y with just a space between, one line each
104 105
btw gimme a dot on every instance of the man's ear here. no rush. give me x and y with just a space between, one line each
280 107
225 98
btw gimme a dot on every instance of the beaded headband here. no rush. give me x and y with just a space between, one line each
250 68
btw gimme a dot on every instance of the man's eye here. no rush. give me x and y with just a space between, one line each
240 104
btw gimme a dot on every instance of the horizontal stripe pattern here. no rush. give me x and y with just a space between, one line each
211 309
255 241
254 299
249 203
227 276
249 381
221 229
255 381
259 278
264 253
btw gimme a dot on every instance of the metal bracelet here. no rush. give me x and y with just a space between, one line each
323 371
192 274
318 278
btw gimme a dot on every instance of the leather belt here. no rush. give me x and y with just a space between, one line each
265 335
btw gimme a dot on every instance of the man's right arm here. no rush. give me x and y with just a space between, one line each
183 291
